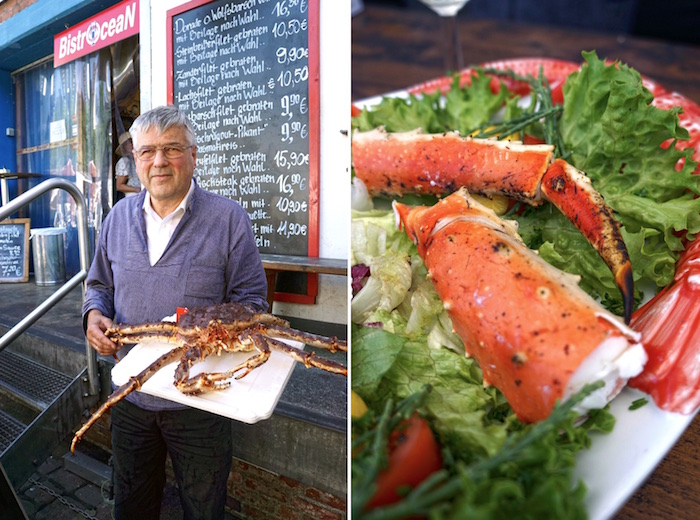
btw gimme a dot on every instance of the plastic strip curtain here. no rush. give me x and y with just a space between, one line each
65 130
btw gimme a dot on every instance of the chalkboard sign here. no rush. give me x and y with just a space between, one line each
14 250
246 72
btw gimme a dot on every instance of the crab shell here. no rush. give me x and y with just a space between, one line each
536 334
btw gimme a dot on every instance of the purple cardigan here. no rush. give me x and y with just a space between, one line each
212 257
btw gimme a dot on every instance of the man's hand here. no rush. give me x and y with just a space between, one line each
97 324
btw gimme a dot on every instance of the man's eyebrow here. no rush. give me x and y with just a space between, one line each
170 143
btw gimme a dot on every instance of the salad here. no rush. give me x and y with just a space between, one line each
408 366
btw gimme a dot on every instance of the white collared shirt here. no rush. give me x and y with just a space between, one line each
160 230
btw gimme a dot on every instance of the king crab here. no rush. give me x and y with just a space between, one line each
204 331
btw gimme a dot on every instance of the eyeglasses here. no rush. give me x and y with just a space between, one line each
171 151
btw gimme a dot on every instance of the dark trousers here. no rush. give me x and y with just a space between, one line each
199 444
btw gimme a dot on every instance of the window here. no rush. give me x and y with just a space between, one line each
64 129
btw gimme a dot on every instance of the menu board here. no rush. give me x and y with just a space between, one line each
14 250
246 72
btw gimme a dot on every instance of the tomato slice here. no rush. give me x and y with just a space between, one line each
414 454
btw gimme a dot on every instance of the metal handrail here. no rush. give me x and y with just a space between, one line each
81 217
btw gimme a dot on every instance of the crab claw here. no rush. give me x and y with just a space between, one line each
571 191
394 164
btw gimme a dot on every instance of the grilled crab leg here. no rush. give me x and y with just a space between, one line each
394 164
537 336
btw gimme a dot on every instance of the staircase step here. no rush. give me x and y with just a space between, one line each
10 429
89 469
32 381
17 407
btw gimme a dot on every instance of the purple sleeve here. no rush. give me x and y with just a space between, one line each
99 293
245 275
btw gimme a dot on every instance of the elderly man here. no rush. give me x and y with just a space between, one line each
173 245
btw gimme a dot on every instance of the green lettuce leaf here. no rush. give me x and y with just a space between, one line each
461 109
462 412
532 470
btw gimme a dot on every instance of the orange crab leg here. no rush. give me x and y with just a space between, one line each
572 193
537 336
394 164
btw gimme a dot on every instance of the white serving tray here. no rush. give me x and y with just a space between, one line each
249 400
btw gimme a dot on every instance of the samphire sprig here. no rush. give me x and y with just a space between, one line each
541 110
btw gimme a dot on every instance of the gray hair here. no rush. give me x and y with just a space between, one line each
162 119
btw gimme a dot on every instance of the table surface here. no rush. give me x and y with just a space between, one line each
393 48
305 264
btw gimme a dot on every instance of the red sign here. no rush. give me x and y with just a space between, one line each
103 29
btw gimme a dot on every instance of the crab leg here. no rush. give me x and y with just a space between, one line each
309 359
131 334
332 344
537 336
207 382
394 164
120 393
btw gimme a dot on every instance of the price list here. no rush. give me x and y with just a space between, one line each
13 251
241 72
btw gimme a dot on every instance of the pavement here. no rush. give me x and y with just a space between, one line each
55 493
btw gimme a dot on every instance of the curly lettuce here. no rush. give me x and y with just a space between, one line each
461 109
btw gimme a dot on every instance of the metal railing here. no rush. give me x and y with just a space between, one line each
13 206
